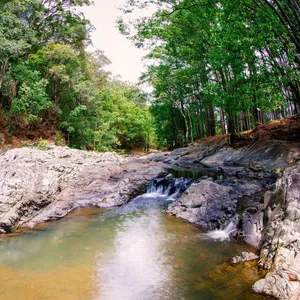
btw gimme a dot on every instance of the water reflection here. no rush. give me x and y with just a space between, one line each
136 268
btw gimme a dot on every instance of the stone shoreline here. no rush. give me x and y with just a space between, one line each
38 186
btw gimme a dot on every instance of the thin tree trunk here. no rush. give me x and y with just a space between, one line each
191 126
174 127
222 122
186 135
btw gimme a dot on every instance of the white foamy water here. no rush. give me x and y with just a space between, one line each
223 234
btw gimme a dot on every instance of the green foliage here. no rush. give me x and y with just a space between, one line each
59 138
48 81
43 145
122 121
218 66
32 100
25 144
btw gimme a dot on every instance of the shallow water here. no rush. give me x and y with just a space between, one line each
195 173
127 253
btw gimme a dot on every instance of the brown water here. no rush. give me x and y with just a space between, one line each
131 253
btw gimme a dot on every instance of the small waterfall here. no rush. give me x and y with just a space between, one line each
224 234
168 186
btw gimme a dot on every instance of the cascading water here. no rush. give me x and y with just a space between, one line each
168 186
169 189
159 193
225 233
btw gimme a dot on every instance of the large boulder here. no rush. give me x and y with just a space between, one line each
37 186
213 205
206 204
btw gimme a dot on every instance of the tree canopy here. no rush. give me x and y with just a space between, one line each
50 82
218 66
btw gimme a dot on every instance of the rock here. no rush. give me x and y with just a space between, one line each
193 156
37 186
266 154
212 205
280 284
224 156
244 256
242 174
256 166
280 251
206 204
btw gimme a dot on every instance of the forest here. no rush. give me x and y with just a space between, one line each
216 67
51 84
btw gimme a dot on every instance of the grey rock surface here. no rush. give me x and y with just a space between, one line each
280 251
259 157
193 155
37 186
206 204
211 205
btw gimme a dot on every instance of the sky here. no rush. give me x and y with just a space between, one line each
126 59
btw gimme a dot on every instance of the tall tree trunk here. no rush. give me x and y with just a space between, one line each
222 122
230 124
212 120
191 126
174 128
186 132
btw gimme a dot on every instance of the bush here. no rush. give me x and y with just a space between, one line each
43 145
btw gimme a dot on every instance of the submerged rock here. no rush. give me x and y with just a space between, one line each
244 256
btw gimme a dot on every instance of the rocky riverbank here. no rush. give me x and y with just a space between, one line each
259 189
38 186
280 244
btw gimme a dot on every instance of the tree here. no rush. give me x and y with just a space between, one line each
222 60
26 25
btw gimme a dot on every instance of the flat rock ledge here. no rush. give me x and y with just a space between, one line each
38 186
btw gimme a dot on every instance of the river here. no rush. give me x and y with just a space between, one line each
134 252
